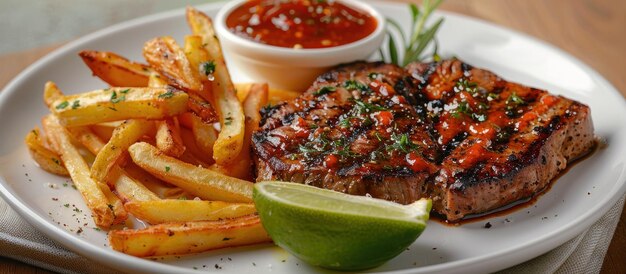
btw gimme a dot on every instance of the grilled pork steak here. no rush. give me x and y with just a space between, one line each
348 133
463 136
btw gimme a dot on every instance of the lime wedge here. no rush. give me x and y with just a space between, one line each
335 230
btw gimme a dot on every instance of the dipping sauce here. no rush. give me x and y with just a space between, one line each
298 24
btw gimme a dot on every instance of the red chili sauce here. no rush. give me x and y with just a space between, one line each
305 24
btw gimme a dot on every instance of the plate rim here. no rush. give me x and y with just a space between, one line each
516 254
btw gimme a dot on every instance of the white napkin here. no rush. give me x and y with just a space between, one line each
22 242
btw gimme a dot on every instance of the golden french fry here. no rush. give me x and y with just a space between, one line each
47 159
119 212
189 237
198 181
167 58
202 108
155 81
199 60
79 172
168 137
204 133
159 188
116 70
129 189
242 90
87 138
256 99
277 96
230 138
166 211
51 93
116 104
123 136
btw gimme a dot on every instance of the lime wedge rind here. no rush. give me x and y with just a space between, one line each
331 235
360 205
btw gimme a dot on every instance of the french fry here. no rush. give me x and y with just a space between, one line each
116 70
159 188
79 172
198 181
47 159
119 212
193 154
199 60
254 101
166 211
242 89
155 81
51 93
204 134
202 108
123 136
116 104
167 58
230 139
168 137
130 190
87 138
189 237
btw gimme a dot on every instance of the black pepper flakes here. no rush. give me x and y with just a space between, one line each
488 225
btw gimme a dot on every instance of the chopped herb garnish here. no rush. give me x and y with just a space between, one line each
462 108
167 169
66 205
373 75
125 91
324 90
514 98
76 104
465 85
207 68
378 136
479 117
228 120
167 95
305 149
115 99
355 85
345 123
363 107
402 142
62 105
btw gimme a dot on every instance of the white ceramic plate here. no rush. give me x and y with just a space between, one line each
576 200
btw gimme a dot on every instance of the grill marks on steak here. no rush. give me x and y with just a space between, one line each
500 141
349 132
460 135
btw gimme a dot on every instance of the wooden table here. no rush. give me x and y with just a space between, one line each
591 30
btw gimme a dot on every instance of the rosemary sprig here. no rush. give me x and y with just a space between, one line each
421 36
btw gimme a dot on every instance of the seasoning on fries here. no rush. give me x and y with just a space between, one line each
159 154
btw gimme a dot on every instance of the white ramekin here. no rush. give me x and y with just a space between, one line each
293 69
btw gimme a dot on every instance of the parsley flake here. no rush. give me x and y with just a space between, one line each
207 68
167 95
324 90
62 105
